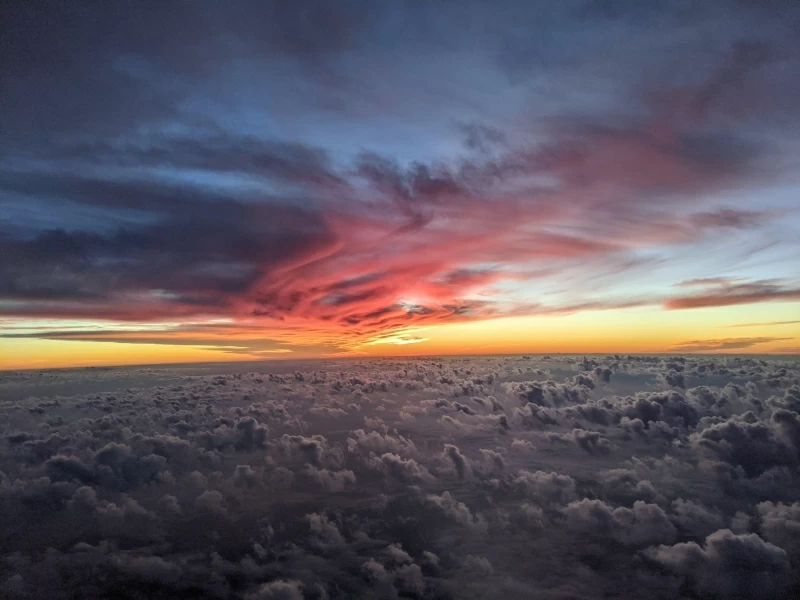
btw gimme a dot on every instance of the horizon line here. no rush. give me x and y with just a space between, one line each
397 356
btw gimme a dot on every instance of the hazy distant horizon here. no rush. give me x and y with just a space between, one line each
355 357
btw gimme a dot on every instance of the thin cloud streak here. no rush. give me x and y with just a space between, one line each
765 324
724 344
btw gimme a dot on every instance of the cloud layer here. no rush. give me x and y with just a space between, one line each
425 478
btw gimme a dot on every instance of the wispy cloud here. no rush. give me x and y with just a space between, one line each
723 344
730 294
765 324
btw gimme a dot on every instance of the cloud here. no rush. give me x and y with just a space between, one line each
548 393
278 590
727 217
333 481
245 435
159 475
728 565
723 344
591 441
695 518
753 446
205 257
213 502
298 447
460 462
734 294
400 469
478 564
643 525
780 524
323 527
769 323
707 282
457 511
380 443
546 488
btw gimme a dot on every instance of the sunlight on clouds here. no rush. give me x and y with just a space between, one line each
764 328
398 340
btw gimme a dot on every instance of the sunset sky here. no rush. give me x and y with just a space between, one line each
203 181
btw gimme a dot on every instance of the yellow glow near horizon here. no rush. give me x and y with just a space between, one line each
46 354
644 330
632 330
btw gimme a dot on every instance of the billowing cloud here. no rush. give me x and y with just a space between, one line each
216 482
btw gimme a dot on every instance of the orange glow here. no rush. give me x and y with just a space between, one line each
756 329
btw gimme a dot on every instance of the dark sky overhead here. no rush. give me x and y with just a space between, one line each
330 177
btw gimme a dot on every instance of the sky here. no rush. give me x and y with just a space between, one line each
200 181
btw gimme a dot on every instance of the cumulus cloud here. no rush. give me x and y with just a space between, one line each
478 564
167 484
278 590
213 502
753 446
545 488
695 518
457 511
324 528
400 469
460 462
728 565
590 441
377 442
333 481
549 393
780 524
643 525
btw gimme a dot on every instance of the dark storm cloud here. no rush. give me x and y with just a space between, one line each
723 344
